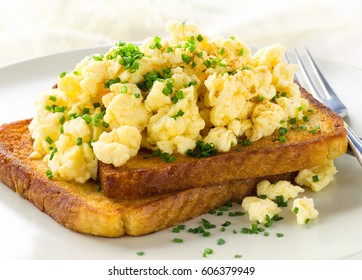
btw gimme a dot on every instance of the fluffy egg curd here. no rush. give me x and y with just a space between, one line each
165 95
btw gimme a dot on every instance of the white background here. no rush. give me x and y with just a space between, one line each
31 28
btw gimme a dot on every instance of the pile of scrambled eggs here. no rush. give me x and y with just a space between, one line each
269 197
165 94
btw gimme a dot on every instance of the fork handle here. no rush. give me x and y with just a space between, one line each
355 144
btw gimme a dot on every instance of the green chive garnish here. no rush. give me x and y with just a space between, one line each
220 241
87 118
53 98
185 58
105 124
207 251
79 141
315 178
49 174
124 89
49 140
177 240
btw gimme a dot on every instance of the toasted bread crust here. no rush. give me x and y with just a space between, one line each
82 208
141 177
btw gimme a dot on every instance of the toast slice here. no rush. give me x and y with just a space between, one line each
144 175
83 208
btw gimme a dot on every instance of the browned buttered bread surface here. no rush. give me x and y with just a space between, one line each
143 175
84 208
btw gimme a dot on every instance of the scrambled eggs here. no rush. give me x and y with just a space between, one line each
281 188
167 95
318 177
304 210
260 209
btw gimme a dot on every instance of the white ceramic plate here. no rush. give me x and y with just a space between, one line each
27 233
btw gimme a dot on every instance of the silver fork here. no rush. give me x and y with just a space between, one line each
313 79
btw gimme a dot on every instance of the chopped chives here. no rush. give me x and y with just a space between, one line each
227 223
223 208
53 98
280 234
315 178
53 153
177 240
199 38
207 251
282 139
156 153
237 256
180 113
246 142
140 253
87 118
282 131
185 58
59 109
62 120
220 241
124 89
305 118
169 49
62 75
180 94
295 210
105 124
279 199
207 63
241 52
206 234
49 140
174 99
79 141
49 174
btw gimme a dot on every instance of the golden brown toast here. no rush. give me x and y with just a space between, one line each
83 208
144 175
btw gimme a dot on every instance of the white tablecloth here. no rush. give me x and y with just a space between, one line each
32 28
